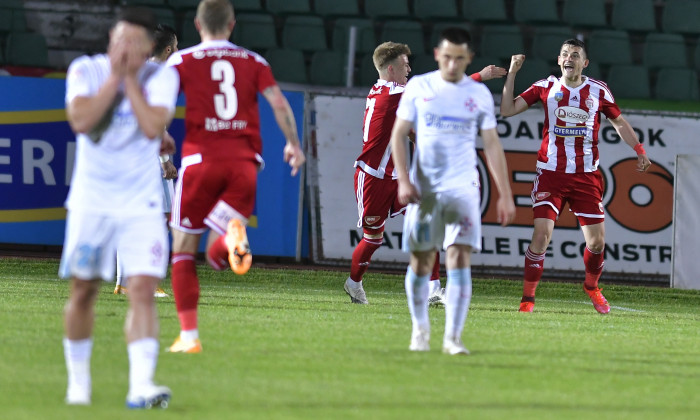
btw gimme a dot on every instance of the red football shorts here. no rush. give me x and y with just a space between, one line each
583 192
203 184
377 200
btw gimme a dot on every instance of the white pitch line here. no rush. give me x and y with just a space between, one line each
620 308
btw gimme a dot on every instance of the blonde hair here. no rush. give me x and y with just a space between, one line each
387 52
215 15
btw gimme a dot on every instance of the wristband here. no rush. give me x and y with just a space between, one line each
164 158
640 149
476 77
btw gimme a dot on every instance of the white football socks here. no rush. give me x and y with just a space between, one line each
77 354
143 356
417 289
458 295
434 287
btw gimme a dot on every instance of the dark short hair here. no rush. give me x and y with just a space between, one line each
165 37
141 16
455 35
576 43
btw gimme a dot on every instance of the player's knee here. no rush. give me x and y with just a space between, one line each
373 233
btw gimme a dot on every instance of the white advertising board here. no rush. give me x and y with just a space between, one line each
639 207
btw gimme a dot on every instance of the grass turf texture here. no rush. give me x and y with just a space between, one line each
284 343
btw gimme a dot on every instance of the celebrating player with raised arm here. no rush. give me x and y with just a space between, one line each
118 104
448 110
375 177
567 162
221 156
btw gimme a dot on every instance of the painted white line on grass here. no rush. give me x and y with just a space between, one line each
620 308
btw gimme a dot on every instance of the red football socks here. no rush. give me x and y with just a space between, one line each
594 267
185 289
534 266
361 256
217 255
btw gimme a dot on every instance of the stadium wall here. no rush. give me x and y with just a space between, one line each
37 149
639 207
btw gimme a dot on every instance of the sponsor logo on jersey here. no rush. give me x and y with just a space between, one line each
370 220
558 96
575 98
571 114
569 131
199 54
374 91
442 122
541 195
186 222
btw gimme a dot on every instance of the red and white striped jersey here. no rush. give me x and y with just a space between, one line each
221 82
571 122
380 114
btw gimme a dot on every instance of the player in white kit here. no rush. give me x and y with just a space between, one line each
165 44
118 104
448 109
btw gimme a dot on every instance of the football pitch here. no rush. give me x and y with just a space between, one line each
287 343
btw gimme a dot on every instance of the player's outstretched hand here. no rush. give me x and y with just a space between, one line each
295 156
516 62
643 163
492 72
506 210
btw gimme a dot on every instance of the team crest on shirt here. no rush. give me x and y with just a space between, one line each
370 220
541 195
558 96
589 103
470 104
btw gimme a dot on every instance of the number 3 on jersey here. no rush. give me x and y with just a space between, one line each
226 102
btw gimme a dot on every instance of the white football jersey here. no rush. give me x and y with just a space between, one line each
118 173
447 118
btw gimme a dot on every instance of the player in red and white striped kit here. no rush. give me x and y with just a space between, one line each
567 162
221 156
375 178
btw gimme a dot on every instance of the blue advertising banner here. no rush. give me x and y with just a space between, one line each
37 150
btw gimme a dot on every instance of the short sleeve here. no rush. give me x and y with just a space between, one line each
608 106
78 80
162 88
487 117
265 77
407 105
532 95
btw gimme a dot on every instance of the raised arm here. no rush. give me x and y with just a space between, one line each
496 161
626 133
489 72
285 120
509 105
407 191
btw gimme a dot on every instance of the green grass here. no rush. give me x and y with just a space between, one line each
282 343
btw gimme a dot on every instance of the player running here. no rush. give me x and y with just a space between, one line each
221 156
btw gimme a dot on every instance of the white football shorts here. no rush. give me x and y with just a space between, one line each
92 241
443 219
